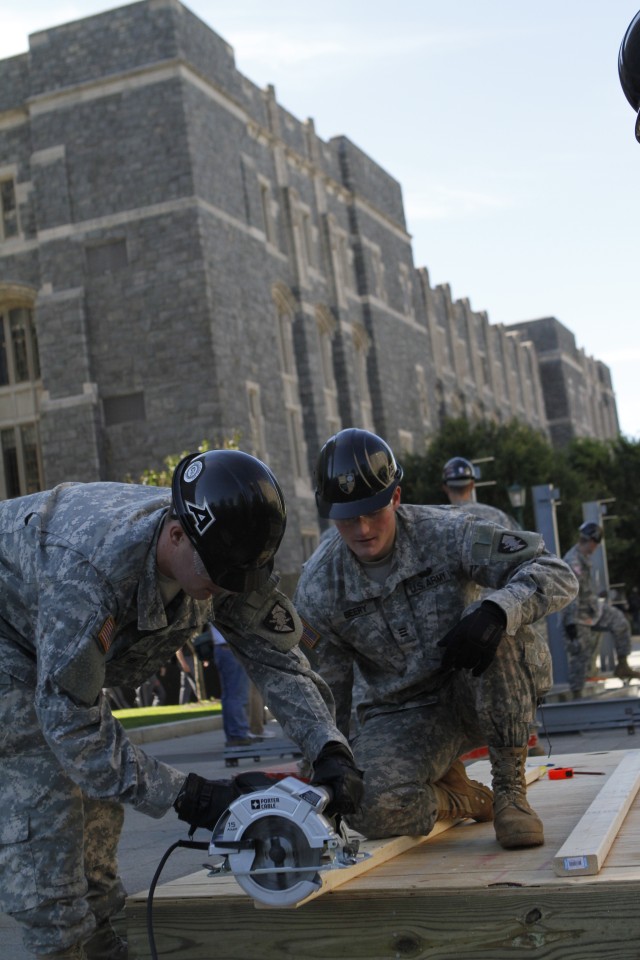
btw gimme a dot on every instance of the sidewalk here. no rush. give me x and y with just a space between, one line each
144 840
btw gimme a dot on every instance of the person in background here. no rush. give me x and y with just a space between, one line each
188 681
211 646
459 484
588 616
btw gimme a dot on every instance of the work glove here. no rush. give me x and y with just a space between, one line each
334 768
472 643
201 803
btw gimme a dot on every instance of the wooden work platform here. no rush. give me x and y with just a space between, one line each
455 895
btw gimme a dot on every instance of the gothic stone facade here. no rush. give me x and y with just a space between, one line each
182 259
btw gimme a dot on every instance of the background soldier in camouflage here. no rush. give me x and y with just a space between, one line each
459 484
390 590
587 617
101 583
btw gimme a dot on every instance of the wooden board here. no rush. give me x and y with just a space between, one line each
382 850
584 852
455 896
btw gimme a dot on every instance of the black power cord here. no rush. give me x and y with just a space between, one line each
191 845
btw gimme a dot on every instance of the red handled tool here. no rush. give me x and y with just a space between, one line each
565 773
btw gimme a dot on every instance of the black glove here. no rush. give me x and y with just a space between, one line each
472 643
334 768
574 647
201 802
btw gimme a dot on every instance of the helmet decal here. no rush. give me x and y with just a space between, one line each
193 471
202 515
347 482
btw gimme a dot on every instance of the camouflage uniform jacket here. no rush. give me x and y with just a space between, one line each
585 609
392 630
82 609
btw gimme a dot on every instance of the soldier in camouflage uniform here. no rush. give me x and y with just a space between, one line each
459 484
390 590
587 617
101 583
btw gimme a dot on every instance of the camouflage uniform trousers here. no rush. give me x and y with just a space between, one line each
581 652
58 847
403 750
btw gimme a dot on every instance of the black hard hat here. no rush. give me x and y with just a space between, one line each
233 511
356 473
458 472
629 66
590 531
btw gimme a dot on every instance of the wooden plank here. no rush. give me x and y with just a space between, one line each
586 848
383 850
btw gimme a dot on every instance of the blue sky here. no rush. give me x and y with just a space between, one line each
503 121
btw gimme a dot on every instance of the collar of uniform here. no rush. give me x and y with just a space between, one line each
151 612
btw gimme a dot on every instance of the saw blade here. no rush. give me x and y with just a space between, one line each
280 844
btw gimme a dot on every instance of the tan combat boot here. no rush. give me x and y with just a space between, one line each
516 824
458 797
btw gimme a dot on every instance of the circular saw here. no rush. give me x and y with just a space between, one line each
276 842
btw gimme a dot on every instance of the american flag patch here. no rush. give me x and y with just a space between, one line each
107 630
309 636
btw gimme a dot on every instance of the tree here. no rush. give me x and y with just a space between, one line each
586 470
162 477
519 454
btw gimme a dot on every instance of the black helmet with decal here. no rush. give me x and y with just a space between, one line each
458 472
590 531
233 511
356 473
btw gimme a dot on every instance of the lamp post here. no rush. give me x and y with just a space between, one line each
517 499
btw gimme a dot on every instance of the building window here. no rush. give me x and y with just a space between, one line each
21 460
268 218
123 409
256 422
309 543
19 361
422 394
361 349
326 329
9 209
106 257
285 306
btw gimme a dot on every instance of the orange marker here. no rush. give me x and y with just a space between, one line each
565 773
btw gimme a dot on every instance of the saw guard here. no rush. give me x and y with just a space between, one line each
274 841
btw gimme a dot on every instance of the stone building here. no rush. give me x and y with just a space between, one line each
578 391
181 259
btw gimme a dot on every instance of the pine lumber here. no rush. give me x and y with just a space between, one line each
382 850
586 848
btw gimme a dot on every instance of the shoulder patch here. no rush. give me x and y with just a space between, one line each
309 636
106 634
511 543
279 620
